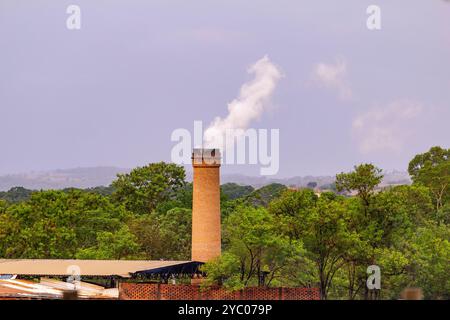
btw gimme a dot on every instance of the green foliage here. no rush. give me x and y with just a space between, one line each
144 188
444 213
16 195
223 270
101 190
175 229
328 237
390 218
164 236
234 191
432 169
251 235
263 195
55 224
434 157
430 250
330 186
291 202
3 206
363 180
342 237
260 197
291 207
182 199
416 201
111 245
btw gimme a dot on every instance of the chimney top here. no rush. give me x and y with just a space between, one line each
206 156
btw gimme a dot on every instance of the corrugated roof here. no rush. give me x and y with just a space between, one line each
60 267
53 289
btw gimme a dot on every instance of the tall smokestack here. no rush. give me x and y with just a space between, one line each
206 239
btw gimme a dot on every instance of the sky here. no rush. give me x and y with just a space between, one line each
112 92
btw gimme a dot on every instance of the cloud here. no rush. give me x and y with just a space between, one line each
387 128
334 77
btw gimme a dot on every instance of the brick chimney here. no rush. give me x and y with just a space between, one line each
206 238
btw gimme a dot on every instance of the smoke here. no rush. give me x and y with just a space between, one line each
251 103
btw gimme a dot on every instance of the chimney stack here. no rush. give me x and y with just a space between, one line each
206 238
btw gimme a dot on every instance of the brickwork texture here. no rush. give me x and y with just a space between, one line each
206 243
154 291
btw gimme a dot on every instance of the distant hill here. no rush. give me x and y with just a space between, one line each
103 176
234 191
323 182
16 195
60 179
264 195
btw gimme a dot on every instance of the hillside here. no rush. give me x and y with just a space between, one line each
103 176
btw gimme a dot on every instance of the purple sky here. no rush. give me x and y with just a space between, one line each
113 92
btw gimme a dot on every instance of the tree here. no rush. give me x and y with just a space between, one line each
112 245
392 218
102 190
399 208
327 226
9 230
164 235
311 185
3 206
430 252
144 188
432 169
393 263
16 195
327 238
146 229
55 224
291 206
384 231
175 228
363 179
263 195
234 191
251 235
223 270
181 199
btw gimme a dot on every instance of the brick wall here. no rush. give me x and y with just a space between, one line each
154 291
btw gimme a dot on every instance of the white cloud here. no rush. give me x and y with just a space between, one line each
387 128
334 77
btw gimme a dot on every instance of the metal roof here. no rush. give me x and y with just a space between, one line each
102 268
53 289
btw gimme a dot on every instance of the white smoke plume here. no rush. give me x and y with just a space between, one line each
251 103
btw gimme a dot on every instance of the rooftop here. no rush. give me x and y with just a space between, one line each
100 268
